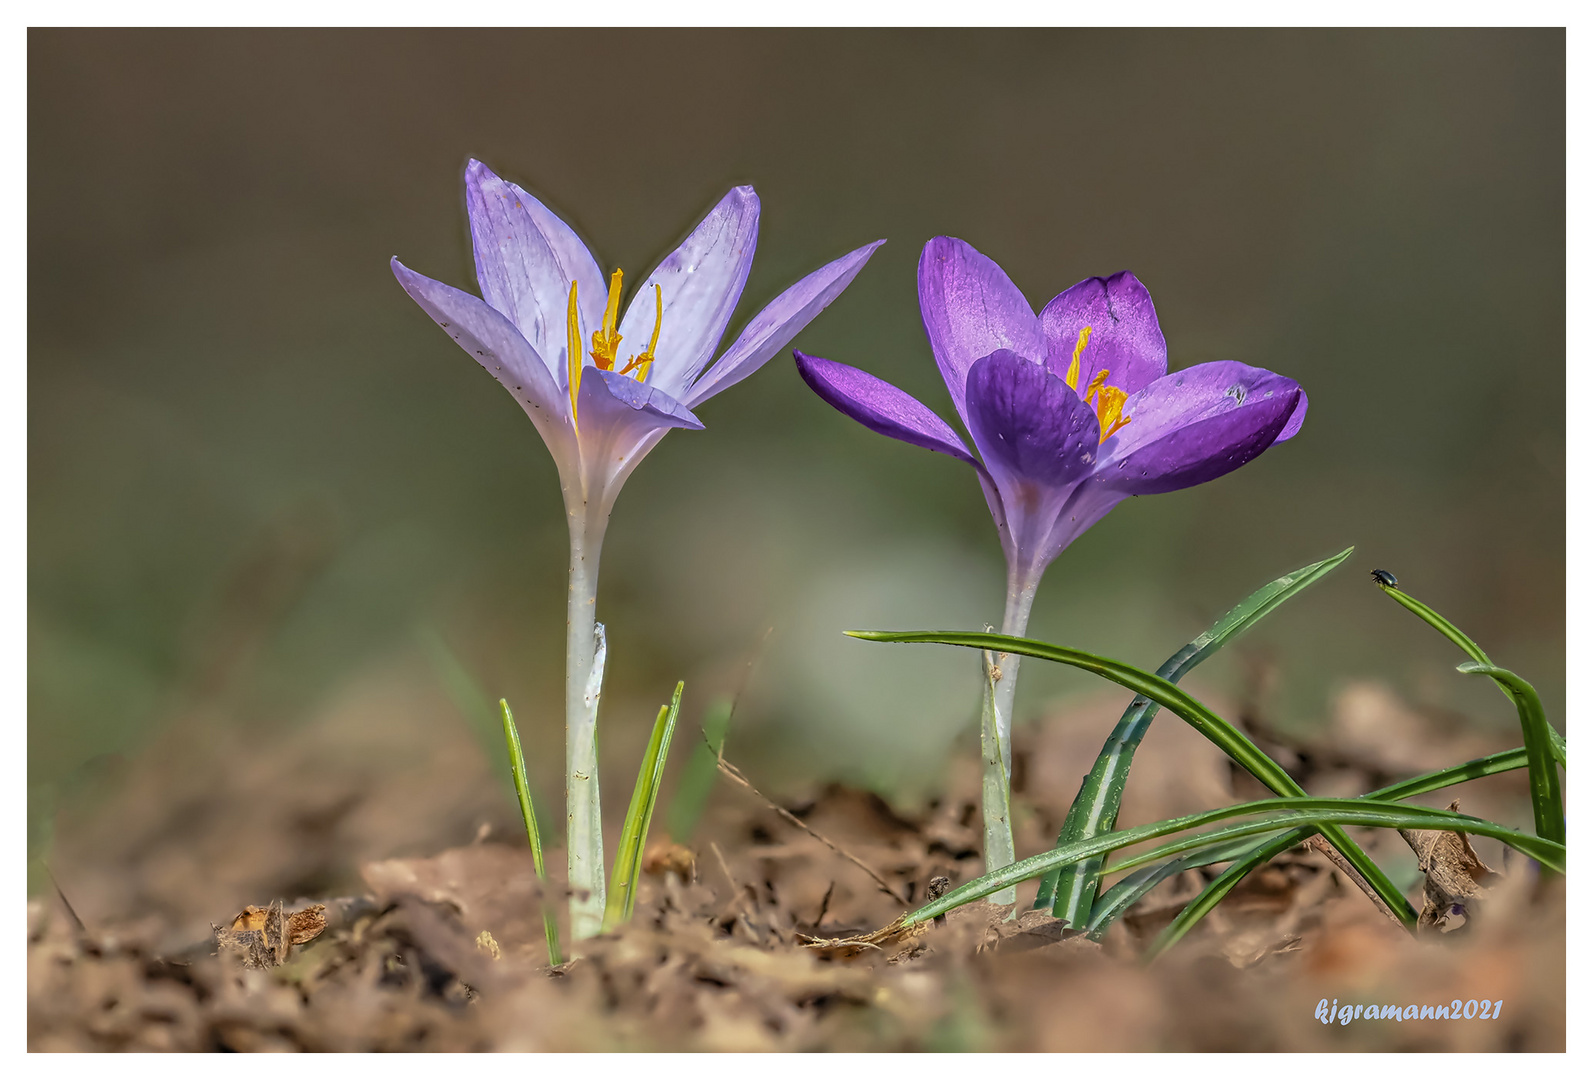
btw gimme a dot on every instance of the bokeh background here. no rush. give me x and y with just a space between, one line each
262 482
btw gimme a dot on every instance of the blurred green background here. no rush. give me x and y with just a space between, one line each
257 469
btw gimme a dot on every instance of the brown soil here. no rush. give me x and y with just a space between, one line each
446 952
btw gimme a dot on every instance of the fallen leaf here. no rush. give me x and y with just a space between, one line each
1455 879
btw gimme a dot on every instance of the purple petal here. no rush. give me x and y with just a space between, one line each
1188 437
1028 425
610 402
879 406
971 309
773 328
495 343
1088 503
1195 393
1125 337
702 280
1296 419
526 259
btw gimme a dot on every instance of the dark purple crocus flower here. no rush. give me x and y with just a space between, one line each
1071 411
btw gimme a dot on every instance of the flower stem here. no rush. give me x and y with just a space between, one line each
583 681
1001 688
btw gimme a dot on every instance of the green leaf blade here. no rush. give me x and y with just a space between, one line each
1543 779
1274 815
621 902
528 813
1071 891
1224 735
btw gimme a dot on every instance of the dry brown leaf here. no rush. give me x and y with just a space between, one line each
1455 878
264 936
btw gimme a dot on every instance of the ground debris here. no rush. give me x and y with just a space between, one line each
768 944
264 936
1454 881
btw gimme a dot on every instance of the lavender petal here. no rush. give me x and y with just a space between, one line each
526 259
702 280
773 328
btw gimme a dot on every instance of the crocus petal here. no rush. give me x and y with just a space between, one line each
773 328
1202 450
1195 393
702 280
1296 419
1089 502
971 309
879 406
611 400
526 259
1125 337
1027 423
488 336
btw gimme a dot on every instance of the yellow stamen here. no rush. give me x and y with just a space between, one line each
605 342
1078 351
574 327
644 360
1096 383
1109 410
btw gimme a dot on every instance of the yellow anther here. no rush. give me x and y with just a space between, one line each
573 323
644 360
1078 351
1096 383
605 342
1109 410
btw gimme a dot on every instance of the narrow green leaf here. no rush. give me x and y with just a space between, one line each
1276 814
696 780
511 735
1221 886
1227 738
1436 621
1262 853
1548 809
1126 893
639 816
1070 892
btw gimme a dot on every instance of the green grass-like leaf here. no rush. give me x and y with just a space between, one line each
1224 735
696 781
639 816
1543 744
1126 893
1257 855
1274 814
1070 892
511 735
1543 779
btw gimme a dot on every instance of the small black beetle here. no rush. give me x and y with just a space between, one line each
1386 579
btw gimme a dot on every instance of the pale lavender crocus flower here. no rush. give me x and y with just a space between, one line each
1071 411
602 390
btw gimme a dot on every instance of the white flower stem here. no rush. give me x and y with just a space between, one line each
1001 688
583 680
